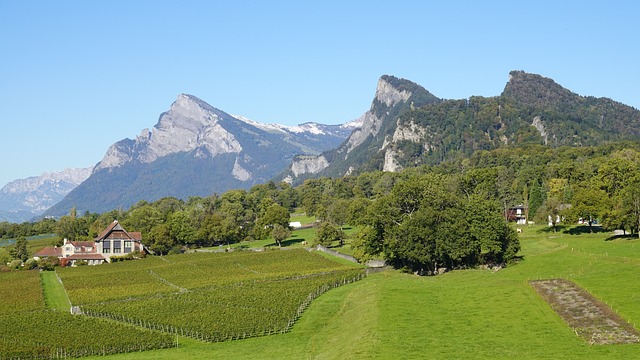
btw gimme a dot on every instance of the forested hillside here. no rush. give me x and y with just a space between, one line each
420 129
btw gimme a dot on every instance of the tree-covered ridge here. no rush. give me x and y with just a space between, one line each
568 113
532 109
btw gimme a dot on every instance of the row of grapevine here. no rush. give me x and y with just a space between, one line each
155 275
246 265
55 335
20 291
221 313
112 281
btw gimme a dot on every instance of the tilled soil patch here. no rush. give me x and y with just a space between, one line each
590 318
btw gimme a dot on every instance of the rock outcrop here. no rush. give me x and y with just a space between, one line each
392 95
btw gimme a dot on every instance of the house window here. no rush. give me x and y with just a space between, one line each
89 248
116 250
78 249
106 250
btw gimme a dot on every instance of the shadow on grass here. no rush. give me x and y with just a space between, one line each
572 230
290 242
550 229
583 229
622 237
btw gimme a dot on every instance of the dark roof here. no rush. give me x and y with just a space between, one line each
108 230
115 226
83 243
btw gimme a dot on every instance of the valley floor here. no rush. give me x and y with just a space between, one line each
472 314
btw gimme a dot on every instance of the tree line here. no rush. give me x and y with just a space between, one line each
450 215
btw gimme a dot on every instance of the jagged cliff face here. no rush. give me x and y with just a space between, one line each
410 132
392 96
386 94
196 150
23 199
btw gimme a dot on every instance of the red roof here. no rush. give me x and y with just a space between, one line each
49 251
86 257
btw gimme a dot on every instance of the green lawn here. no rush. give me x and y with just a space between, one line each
299 238
303 218
55 296
470 314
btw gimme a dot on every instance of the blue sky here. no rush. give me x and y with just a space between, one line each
77 76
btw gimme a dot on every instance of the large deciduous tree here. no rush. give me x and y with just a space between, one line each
631 203
327 233
280 233
274 215
588 203
19 251
428 222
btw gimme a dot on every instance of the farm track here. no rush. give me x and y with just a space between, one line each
591 319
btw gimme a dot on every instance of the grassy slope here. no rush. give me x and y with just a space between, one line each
470 314
54 294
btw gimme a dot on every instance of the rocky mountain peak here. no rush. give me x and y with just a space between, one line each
390 92
195 149
191 106
190 124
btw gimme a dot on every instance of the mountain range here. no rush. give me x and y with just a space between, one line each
24 199
198 150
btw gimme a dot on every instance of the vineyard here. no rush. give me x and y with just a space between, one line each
20 291
29 331
145 304
168 274
220 313
211 297
51 335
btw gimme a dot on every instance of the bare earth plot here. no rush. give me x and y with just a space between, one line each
590 318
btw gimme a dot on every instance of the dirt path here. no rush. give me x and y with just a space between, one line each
590 318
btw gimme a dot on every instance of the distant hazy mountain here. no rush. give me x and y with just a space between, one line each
24 199
196 150
407 126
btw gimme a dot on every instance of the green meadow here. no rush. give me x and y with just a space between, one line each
467 314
